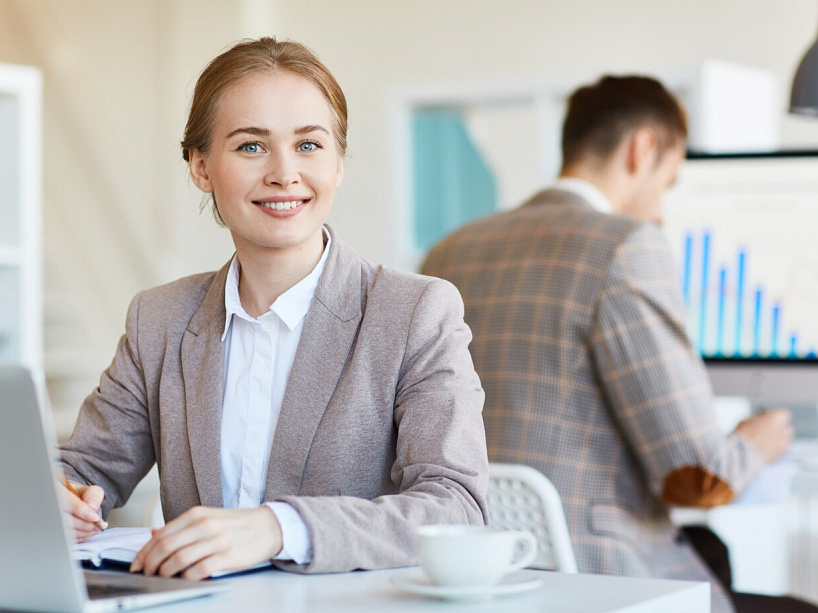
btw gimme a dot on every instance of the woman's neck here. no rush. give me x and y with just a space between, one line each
268 273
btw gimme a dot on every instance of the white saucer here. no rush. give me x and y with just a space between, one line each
418 583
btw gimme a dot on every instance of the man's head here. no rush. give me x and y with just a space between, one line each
627 136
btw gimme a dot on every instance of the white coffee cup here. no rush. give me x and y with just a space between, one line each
460 556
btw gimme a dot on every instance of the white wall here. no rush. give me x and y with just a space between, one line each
373 45
120 213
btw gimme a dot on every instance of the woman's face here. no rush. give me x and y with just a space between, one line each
273 166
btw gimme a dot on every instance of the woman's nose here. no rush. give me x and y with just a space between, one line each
282 171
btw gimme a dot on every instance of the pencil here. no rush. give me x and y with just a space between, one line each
100 523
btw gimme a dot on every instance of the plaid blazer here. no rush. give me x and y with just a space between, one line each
579 341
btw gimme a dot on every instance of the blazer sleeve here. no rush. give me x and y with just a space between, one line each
441 465
111 445
655 383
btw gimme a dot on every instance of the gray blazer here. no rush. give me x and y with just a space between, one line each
579 340
380 428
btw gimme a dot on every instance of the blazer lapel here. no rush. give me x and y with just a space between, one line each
203 374
329 330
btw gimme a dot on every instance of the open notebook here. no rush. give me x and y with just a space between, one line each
120 546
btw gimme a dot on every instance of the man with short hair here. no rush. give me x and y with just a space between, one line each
580 343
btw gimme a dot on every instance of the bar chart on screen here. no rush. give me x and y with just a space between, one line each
743 230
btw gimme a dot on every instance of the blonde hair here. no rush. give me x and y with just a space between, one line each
248 57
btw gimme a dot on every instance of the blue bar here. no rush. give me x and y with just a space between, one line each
688 255
793 346
722 292
757 325
739 300
776 315
703 301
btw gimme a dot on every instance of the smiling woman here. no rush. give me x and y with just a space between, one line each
303 405
272 168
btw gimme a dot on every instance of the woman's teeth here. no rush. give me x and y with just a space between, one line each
282 206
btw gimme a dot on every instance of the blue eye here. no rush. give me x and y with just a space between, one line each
308 146
251 147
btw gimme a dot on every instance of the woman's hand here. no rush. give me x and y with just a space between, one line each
83 503
203 541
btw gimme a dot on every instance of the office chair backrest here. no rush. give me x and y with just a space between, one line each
154 518
521 498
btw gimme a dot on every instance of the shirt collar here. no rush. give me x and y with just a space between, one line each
585 190
291 306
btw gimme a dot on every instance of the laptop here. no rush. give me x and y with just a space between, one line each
37 572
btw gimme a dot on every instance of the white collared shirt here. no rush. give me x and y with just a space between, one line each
258 357
585 190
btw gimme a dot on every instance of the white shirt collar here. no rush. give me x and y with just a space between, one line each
291 306
585 190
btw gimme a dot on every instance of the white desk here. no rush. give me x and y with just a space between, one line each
805 492
279 592
772 542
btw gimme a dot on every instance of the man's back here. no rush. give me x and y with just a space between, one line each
589 377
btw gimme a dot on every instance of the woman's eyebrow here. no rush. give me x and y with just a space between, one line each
250 130
265 132
311 128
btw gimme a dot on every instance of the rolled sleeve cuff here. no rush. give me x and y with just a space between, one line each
295 538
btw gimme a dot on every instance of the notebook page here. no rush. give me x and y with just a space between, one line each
122 544
121 539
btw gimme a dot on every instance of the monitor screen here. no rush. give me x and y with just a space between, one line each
743 228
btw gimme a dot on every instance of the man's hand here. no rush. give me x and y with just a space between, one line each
769 432
83 503
203 541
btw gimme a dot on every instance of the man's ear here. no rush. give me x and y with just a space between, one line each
198 171
643 148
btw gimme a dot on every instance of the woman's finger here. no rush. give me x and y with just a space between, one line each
77 508
92 495
178 534
82 532
187 558
206 567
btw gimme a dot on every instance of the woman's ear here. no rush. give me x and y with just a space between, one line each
198 171
340 176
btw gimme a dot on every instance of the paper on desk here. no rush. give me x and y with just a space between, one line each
120 544
772 484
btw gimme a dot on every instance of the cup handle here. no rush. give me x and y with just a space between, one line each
529 550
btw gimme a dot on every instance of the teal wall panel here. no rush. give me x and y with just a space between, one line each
452 182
